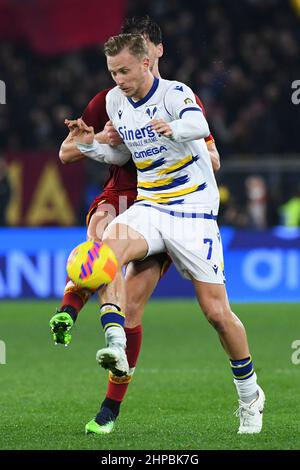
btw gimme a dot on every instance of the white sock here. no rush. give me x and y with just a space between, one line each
247 389
115 336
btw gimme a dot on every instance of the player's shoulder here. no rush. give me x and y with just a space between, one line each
114 94
100 98
176 90
175 86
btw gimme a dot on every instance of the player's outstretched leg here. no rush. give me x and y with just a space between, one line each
141 279
127 245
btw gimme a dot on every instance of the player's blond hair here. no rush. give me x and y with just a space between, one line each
135 43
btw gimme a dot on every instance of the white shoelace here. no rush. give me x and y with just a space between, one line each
245 412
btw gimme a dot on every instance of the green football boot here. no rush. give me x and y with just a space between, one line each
103 423
60 326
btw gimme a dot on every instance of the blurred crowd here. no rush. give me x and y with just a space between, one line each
240 57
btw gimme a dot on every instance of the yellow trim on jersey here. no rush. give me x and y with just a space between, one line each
167 197
180 192
176 166
155 184
144 164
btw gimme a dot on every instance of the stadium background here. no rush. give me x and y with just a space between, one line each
242 59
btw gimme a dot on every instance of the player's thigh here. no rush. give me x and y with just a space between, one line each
196 250
133 235
212 299
98 223
140 280
127 243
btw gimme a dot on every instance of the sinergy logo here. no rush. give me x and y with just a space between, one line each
2 92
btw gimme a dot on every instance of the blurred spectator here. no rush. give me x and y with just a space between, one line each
256 193
5 191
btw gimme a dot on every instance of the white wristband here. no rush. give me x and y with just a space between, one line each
90 150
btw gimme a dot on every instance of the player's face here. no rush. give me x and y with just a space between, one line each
129 72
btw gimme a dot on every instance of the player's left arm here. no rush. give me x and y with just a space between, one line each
188 121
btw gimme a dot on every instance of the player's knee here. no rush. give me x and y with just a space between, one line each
97 225
218 315
134 314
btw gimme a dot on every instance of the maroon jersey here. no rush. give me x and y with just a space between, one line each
121 178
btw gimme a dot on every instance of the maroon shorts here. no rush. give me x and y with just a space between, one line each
116 202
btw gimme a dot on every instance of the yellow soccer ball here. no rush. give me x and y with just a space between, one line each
92 264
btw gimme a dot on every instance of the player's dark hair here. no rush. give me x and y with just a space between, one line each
135 43
143 25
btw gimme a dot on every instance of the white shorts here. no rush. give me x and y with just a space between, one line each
192 239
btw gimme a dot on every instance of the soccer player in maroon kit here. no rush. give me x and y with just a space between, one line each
142 276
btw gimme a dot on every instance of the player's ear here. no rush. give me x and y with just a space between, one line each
146 63
160 50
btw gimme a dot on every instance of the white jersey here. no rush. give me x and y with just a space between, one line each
169 172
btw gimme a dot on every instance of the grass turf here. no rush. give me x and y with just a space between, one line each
182 396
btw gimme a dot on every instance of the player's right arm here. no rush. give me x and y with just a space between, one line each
94 115
69 152
90 147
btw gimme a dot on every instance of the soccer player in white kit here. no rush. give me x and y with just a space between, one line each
163 130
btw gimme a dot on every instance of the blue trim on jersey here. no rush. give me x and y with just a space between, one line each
155 164
150 93
191 108
188 215
175 183
194 159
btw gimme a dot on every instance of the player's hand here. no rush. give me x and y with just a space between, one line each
84 133
72 126
161 127
113 137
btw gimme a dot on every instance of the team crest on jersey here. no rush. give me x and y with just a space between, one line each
120 112
188 100
151 110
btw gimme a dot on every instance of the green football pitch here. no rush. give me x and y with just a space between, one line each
182 395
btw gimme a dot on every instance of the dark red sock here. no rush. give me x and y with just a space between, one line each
75 296
117 386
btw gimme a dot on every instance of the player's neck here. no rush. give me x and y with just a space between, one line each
155 71
145 88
